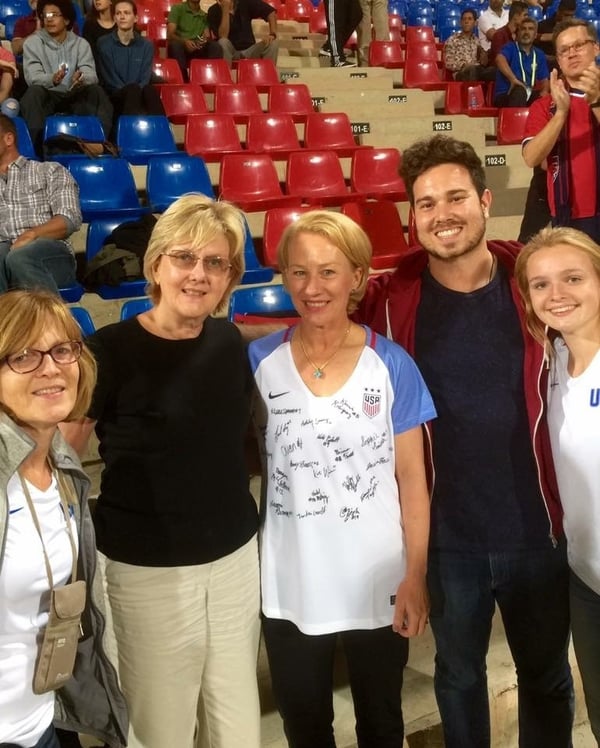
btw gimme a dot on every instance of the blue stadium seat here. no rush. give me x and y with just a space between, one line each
255 272
13 8
140 137
106 188
260 301
83 319
24 141
71 294
98 231
86 127
133 307
170 177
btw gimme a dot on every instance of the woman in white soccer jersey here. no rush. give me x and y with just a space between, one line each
559 278
346 509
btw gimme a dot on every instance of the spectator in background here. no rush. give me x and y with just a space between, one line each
24 27
60 72
230 21
99 22
522 74
188 35
343 16
463 54
565 10
563 130
505 34
490 20
125 66
375 13
8 74
39 210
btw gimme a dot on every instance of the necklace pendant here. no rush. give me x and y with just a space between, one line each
318 373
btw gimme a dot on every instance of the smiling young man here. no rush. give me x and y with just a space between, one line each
563 130
495 517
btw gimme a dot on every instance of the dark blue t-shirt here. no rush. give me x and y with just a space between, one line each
469 348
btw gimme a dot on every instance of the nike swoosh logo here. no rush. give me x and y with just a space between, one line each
279 394
14 511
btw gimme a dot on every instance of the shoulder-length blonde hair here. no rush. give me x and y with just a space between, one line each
24 317
195 219
343 233
550 237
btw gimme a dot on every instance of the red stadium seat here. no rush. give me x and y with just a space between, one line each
276 221
423 74
419 34
375 174
381 222
238 100
272 133
291 98
333 131
211 136
251 181
181 100
260 73
386 54
511 125
316 177
167 70
209 74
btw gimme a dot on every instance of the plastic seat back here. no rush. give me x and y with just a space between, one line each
422 74
299 10
87 127
291 98
375 174
238 100
84 320
254 272
454 98
272 133
211 136
170 177
381 222
251 181
419 34
511 125
276 221
259 304
330 130
317 23
133 307
386 54
182 99
99 230
24 139
106 188
259 73
141 136
317 178
422 51
209 74
167 70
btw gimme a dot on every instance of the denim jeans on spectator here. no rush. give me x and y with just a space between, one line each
530 588
43 263
585 623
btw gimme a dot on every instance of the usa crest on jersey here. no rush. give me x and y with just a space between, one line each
371 404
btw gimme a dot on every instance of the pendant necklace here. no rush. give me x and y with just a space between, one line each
318 372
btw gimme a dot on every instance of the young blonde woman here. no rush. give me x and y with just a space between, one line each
558 273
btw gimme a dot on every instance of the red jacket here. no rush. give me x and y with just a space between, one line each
390 308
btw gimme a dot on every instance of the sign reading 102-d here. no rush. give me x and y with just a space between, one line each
495 159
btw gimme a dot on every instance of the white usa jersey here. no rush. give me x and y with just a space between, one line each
332 544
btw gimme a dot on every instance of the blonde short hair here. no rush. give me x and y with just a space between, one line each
546 238
196 219
24 317
343 233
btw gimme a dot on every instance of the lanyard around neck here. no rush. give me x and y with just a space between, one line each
63 490
533 65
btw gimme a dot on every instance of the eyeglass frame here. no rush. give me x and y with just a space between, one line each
576 47
51 14
76 355
224 267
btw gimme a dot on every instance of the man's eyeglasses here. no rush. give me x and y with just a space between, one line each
212 264
575 47
52 14
31 359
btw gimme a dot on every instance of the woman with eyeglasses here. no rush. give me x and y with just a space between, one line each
175 518
558 273
47 550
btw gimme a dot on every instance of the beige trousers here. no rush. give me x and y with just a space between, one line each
375 12
187 644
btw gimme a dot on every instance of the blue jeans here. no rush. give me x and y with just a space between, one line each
531 590
302 676
48 740
585 624
43 263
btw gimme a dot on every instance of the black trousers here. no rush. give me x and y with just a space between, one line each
343 16
302 678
